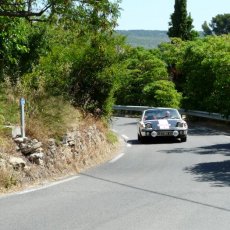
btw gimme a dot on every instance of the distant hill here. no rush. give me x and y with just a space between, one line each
146 38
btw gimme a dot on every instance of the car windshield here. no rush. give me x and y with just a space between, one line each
155 114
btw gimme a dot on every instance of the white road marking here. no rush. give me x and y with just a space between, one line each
116 158
125 138
129 145
49 185
46 186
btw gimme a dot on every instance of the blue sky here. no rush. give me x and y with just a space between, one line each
155 15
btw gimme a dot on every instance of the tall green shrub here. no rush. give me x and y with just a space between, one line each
162 93
181 23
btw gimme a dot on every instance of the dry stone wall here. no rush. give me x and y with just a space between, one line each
76 147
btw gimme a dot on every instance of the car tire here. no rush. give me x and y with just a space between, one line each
183 139
140 138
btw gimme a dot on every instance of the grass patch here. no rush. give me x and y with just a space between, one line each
9 108
7 145
111 137
50 117
7 179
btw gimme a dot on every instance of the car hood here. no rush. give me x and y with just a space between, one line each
163 123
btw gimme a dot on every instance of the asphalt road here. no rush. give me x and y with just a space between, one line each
164 185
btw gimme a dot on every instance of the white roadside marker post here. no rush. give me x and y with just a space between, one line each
22 103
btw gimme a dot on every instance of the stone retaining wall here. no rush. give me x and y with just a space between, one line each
77 147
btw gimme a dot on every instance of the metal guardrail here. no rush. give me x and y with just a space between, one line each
195 113
130 108
214 116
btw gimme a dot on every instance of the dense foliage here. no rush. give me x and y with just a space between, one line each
74 55
206 67
201 71
146 81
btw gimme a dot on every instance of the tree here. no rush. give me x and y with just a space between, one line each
220 24
13 43
32 9
75 54
181 23
82 61
142 69
37 10
172 54
206 29
21 44
206 69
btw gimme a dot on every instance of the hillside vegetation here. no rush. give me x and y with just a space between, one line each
148 39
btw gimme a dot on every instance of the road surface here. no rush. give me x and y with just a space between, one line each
164 185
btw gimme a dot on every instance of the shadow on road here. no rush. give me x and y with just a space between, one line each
204 150
154 141
216 172
200 129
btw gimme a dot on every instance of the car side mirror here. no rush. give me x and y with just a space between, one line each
183 116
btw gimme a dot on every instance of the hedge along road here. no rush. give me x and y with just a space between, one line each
157 185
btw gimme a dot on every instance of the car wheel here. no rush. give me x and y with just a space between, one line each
183 139
140 138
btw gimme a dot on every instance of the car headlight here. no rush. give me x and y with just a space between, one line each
148 126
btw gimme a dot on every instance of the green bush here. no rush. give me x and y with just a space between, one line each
143 67
162 94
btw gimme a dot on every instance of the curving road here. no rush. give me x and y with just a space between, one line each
164 185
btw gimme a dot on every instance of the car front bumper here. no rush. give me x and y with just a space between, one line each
163 133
